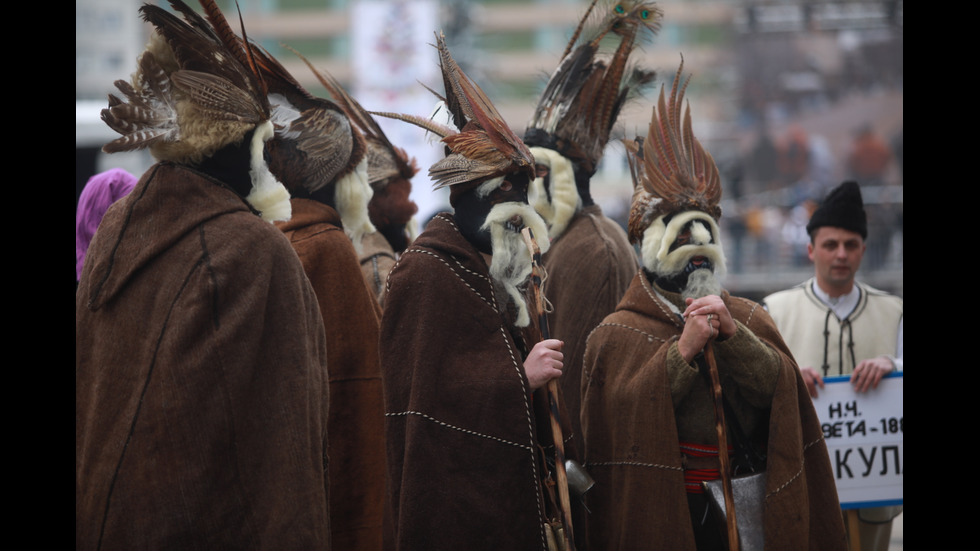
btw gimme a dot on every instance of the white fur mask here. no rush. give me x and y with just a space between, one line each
655 250
565 200
510 264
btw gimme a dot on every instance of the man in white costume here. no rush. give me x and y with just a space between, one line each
836 325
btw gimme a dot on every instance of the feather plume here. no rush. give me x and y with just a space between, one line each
188 97
315 144
429 125
671 170
194 93
385 160
389 168
313 149
584 96
481 146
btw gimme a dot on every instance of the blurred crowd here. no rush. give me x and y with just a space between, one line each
777 184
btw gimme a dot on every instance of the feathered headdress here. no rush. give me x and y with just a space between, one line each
188 97
195 92
317 148
584 96
384 159
671 171
315 143
481 146
389 170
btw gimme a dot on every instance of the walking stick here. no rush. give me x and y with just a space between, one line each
726 477
554 393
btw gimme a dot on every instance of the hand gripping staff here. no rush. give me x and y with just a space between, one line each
554 396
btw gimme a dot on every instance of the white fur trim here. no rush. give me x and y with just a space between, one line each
268 195
565 200
486 188
351 196
658 237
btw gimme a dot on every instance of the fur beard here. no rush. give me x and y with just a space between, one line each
351 196
510 265
565 200
701 283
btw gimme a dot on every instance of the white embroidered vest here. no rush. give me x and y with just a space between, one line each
832 346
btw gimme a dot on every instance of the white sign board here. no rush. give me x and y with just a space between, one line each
864 438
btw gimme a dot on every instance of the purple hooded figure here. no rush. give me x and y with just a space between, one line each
101 190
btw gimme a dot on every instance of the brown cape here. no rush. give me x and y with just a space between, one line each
631 442
462 435
351 318
589 267
200 378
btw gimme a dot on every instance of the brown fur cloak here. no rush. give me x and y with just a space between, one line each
589 267
463 436
351 318
631 442
200 378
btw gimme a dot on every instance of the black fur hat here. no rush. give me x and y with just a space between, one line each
843 208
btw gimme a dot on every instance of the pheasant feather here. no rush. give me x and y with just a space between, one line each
386 160
481 146
189 97
576 112
315 144
671 170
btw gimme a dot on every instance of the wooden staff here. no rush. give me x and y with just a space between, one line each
726 476
554 393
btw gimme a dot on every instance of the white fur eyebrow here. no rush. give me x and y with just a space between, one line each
487 187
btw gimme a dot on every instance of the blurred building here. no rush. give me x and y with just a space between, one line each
761 68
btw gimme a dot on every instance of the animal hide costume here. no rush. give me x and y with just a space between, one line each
464 442
351 318
200 361
589 267
634 377
200 378
591 261
652 403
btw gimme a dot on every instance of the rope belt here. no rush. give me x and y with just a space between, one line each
700 462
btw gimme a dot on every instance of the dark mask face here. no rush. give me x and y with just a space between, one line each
582 180
673 283
512 190
231 165
471 208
